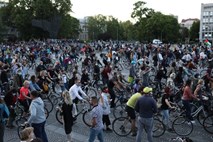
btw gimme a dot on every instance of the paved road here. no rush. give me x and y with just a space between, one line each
80 132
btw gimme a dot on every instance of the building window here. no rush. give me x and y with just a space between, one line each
211 20
211 13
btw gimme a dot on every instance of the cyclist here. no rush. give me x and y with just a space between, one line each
74 92
130 108
24 96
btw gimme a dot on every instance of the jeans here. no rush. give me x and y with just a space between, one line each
147 124
40 131
2 127
187 106
165 117
94 133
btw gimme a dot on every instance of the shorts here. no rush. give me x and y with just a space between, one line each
130 112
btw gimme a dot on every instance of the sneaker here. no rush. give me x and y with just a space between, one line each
134 134
193 122
108 129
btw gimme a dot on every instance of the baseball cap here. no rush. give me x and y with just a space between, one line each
147 90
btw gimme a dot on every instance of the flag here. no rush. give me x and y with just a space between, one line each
207 43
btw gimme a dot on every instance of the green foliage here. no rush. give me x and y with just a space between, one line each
69 27
194 31
184 33
151 24
20 13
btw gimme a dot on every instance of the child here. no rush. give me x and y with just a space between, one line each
105 102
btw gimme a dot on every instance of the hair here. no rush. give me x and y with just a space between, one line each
200 81
137 81
141 89
26 82
34 93
188 82
24 134
33 78
94 99
67 98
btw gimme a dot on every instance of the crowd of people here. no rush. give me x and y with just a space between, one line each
30 69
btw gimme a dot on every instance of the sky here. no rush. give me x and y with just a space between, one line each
122 9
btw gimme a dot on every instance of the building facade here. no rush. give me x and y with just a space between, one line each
83 35
187 23
3 4
206 22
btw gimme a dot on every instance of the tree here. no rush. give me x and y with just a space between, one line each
69 27
20 13
140 11
194 31
96 26
184 33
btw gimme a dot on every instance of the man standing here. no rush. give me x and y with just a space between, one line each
96 122
146 107
37 116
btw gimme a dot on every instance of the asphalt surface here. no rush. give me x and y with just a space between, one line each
80 133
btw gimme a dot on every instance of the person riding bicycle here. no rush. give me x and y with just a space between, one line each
33 84
187 98
130 109
85 78
24 96
74 92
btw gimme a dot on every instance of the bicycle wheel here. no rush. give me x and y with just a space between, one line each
46 112
20 121
158 128
182 127
208 124
87 118
48 104
19 129
201 116
121 126
119 111
91 92
58 116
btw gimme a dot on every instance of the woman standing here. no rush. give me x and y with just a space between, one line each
66 113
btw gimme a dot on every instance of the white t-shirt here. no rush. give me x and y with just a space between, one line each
105 105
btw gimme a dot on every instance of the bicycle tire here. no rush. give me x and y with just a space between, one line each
119 111
87 118
19 129
58 116
201 116
91 92
46 112
208 124
48 104
180 123
158 128
121 126
20 121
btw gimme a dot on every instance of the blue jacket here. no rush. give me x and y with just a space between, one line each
37 113
4 113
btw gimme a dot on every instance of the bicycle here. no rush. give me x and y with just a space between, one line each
22 127
83 108
208 124
121 126
186 125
